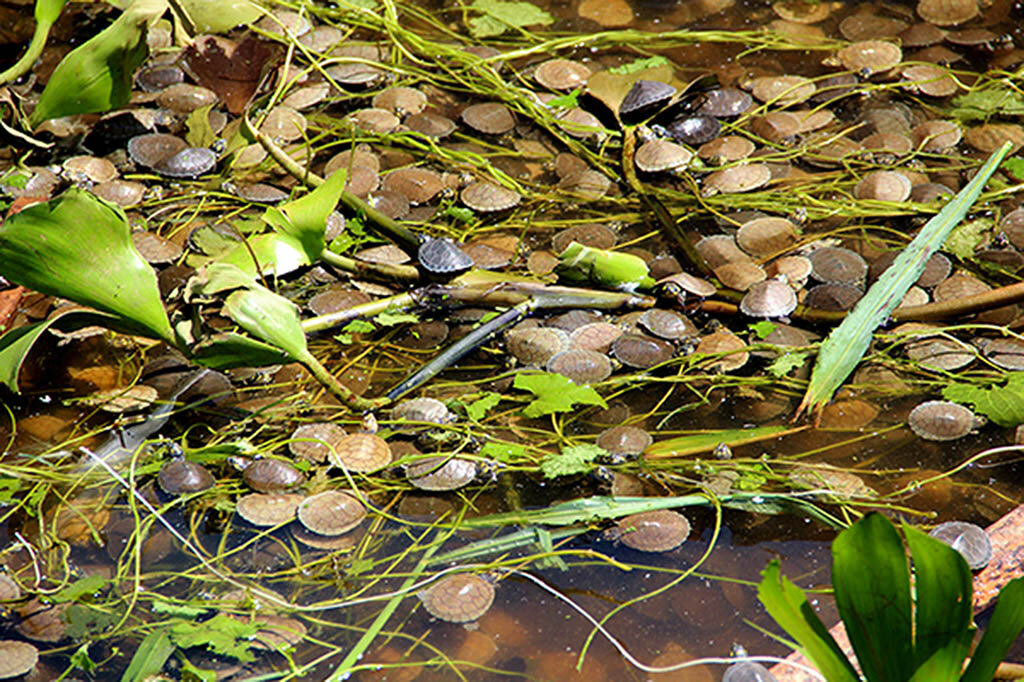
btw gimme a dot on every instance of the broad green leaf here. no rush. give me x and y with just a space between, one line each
614 269
46 14
872 587
1014 167
554 393
786 603
80 588
846 345
1002 404
638 65
199 133
983 103
762 328
387 319
221 634
97 75
566 101
967 236
479 408
79 247
576 459
275 253
709 440
942 597
500 16
1003 629
503 452
269 317
15 345
305 218
228 350
193 674
149 659
219 16
183 610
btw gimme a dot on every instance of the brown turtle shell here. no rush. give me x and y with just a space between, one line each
653 531
641 351
180 476
459 598
582 366
262 509
16 658
272 476
627 441
331 512
314 441
361 452
535 346
441 473
941 420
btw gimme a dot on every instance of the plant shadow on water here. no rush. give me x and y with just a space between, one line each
507 311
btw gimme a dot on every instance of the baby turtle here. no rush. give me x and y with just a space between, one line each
836 264
724 102
763 237
745 671
487 197
491 118
535 346
1007 353
640 351
361 452
18 658
624 441
428 410
770 298
331 512
272 476
314 441
660 155
868 57
667 324
441 473
645 97
443 257
737 179
969 539
562 74
941 420
833 296
582 366
459 598
595 336
180 476
262 509
652 531
694 130
188 163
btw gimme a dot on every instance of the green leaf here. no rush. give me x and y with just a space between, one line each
269 317
79 247
500 16
150 657
197 124
575 459
638 65
190 673
845 346
219 16
85 621
8 486
221 634
554 393
872 586
46 14
762 328
984 103
275 253
504 452
479 408
615 269
359 327
1014 167
386 319
80 588
80 659
967 236
1003 628
566 101
786 363
97 75
1002 404
305 219
183 610
942 614
228 350
786 603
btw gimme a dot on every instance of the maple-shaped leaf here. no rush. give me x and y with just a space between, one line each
555 393
232 70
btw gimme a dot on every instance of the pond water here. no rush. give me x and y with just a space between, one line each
225 583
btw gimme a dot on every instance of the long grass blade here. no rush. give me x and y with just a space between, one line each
848 342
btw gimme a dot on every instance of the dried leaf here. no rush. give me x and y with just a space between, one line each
232 70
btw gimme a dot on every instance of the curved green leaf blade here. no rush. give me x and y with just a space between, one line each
786 603
305 218
872 586
79 247
1004 627
97 75
270 318
942 615
275 253
846 345
228 350
219 16
46 14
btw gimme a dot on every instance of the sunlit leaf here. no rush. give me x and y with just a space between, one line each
183 610
97 75
503 452
845 346
269 317
46 14
272 253
1003 629
1002 404
216 16
566 101
762 328
386 319
149 658
786 363
786 603
500 16
613 269
555 393
305 218
79 247
572 460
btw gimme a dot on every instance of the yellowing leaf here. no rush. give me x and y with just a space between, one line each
555 393
499 16
1002 404
572 460
967 236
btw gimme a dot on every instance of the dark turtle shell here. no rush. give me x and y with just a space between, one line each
180 476
723 102
694 130
645 97
272 476
188 163
443 257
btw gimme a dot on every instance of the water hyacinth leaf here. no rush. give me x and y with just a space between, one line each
615 269
46 14
845 346
269 317
872 585
942 613
217 16
1003 629
272 253
229 350
97 75
305 218
1002 404
79 247
787 604
500 16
